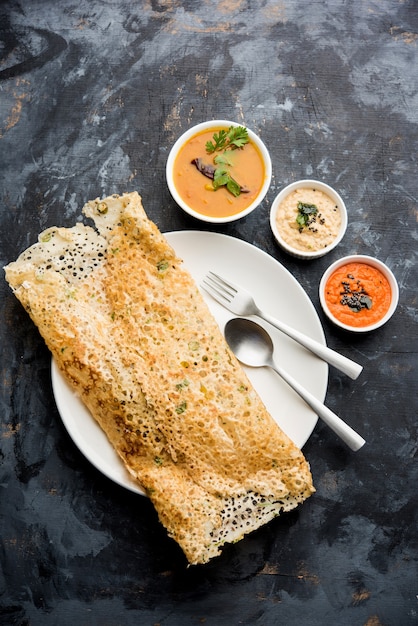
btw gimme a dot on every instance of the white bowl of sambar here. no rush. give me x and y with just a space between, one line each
218 171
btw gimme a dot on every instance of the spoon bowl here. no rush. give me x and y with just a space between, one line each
253 346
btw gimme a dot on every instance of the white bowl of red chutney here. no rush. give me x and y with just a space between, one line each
359 293
225 182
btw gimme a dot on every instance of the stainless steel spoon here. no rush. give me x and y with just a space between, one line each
253 346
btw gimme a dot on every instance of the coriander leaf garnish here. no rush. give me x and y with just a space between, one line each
306 214
238 137
234 137
219 142
223 141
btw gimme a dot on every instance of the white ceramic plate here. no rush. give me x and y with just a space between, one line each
274 289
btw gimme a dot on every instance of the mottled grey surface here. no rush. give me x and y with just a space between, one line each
92 96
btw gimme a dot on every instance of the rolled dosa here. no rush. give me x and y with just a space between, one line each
131 333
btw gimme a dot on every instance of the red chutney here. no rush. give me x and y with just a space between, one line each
358 294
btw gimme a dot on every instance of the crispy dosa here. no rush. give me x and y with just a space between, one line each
130 331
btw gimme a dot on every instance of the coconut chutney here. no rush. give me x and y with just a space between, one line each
308 219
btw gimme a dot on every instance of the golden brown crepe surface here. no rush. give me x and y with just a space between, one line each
130 331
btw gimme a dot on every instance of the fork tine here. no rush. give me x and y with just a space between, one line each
217 287
214 291
221 283
241 302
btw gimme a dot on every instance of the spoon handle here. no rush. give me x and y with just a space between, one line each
343 430
342 363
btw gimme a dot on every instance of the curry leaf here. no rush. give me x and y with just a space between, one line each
221 159
305 213
220 178
233 187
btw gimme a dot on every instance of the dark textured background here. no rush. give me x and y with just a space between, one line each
92 96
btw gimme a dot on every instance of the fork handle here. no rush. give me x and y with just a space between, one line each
342 363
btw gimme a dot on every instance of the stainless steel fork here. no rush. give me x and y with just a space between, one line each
240 301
